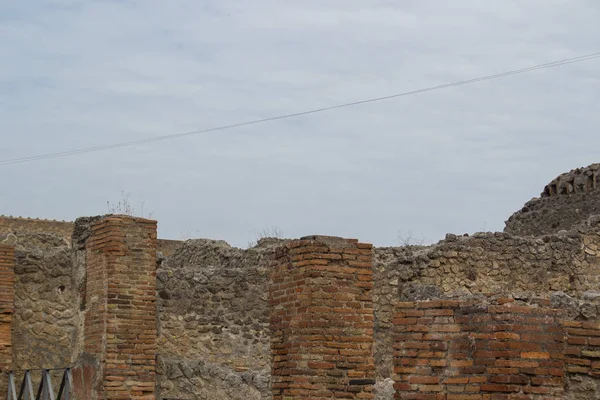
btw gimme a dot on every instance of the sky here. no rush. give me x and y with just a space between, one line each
77 74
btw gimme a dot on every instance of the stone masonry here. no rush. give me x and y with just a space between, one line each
511 315
322 320
62 229
565 202
213 325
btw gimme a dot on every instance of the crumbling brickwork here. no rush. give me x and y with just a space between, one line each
582 359
491 316
322 320
466 350
120 319
7 280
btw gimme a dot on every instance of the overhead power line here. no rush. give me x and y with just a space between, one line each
298 114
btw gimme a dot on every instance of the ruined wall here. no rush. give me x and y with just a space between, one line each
46 320
489 264
120 309
502 263
472 350
213 312
62 229
565 202
7 308
322 319
213 322
167 247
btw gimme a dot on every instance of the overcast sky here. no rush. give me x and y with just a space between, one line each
76 73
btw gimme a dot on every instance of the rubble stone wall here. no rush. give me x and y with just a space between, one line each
565 202
62 229
214 322
46 319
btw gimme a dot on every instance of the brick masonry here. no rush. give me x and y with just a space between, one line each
465 350
7 281
120 320
222 319
583 348
322 320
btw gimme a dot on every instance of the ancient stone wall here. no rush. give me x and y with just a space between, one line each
501 263
565 202
62 229
46 319
167 247
214 338
490 264
213 322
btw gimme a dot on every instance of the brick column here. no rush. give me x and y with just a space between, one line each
7 308
322 320
120 317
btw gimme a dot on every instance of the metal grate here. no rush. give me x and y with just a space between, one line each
45 390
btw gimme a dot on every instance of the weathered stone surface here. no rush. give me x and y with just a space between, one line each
213 321
212 298
496 263
581 387
565 202
46 319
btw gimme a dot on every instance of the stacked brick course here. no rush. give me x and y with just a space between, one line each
322 320
454 350
120 322
583 348
7 276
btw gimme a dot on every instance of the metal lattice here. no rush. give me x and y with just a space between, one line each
45 390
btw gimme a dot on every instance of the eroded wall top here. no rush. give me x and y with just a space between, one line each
63 229
565 202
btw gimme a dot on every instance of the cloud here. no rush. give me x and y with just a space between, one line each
85 73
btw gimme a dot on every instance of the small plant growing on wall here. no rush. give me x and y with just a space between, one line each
406 239
268 232
125 207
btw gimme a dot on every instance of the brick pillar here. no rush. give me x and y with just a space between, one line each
120 317
7 308
322 320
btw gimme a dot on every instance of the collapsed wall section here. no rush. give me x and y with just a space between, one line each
322 320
